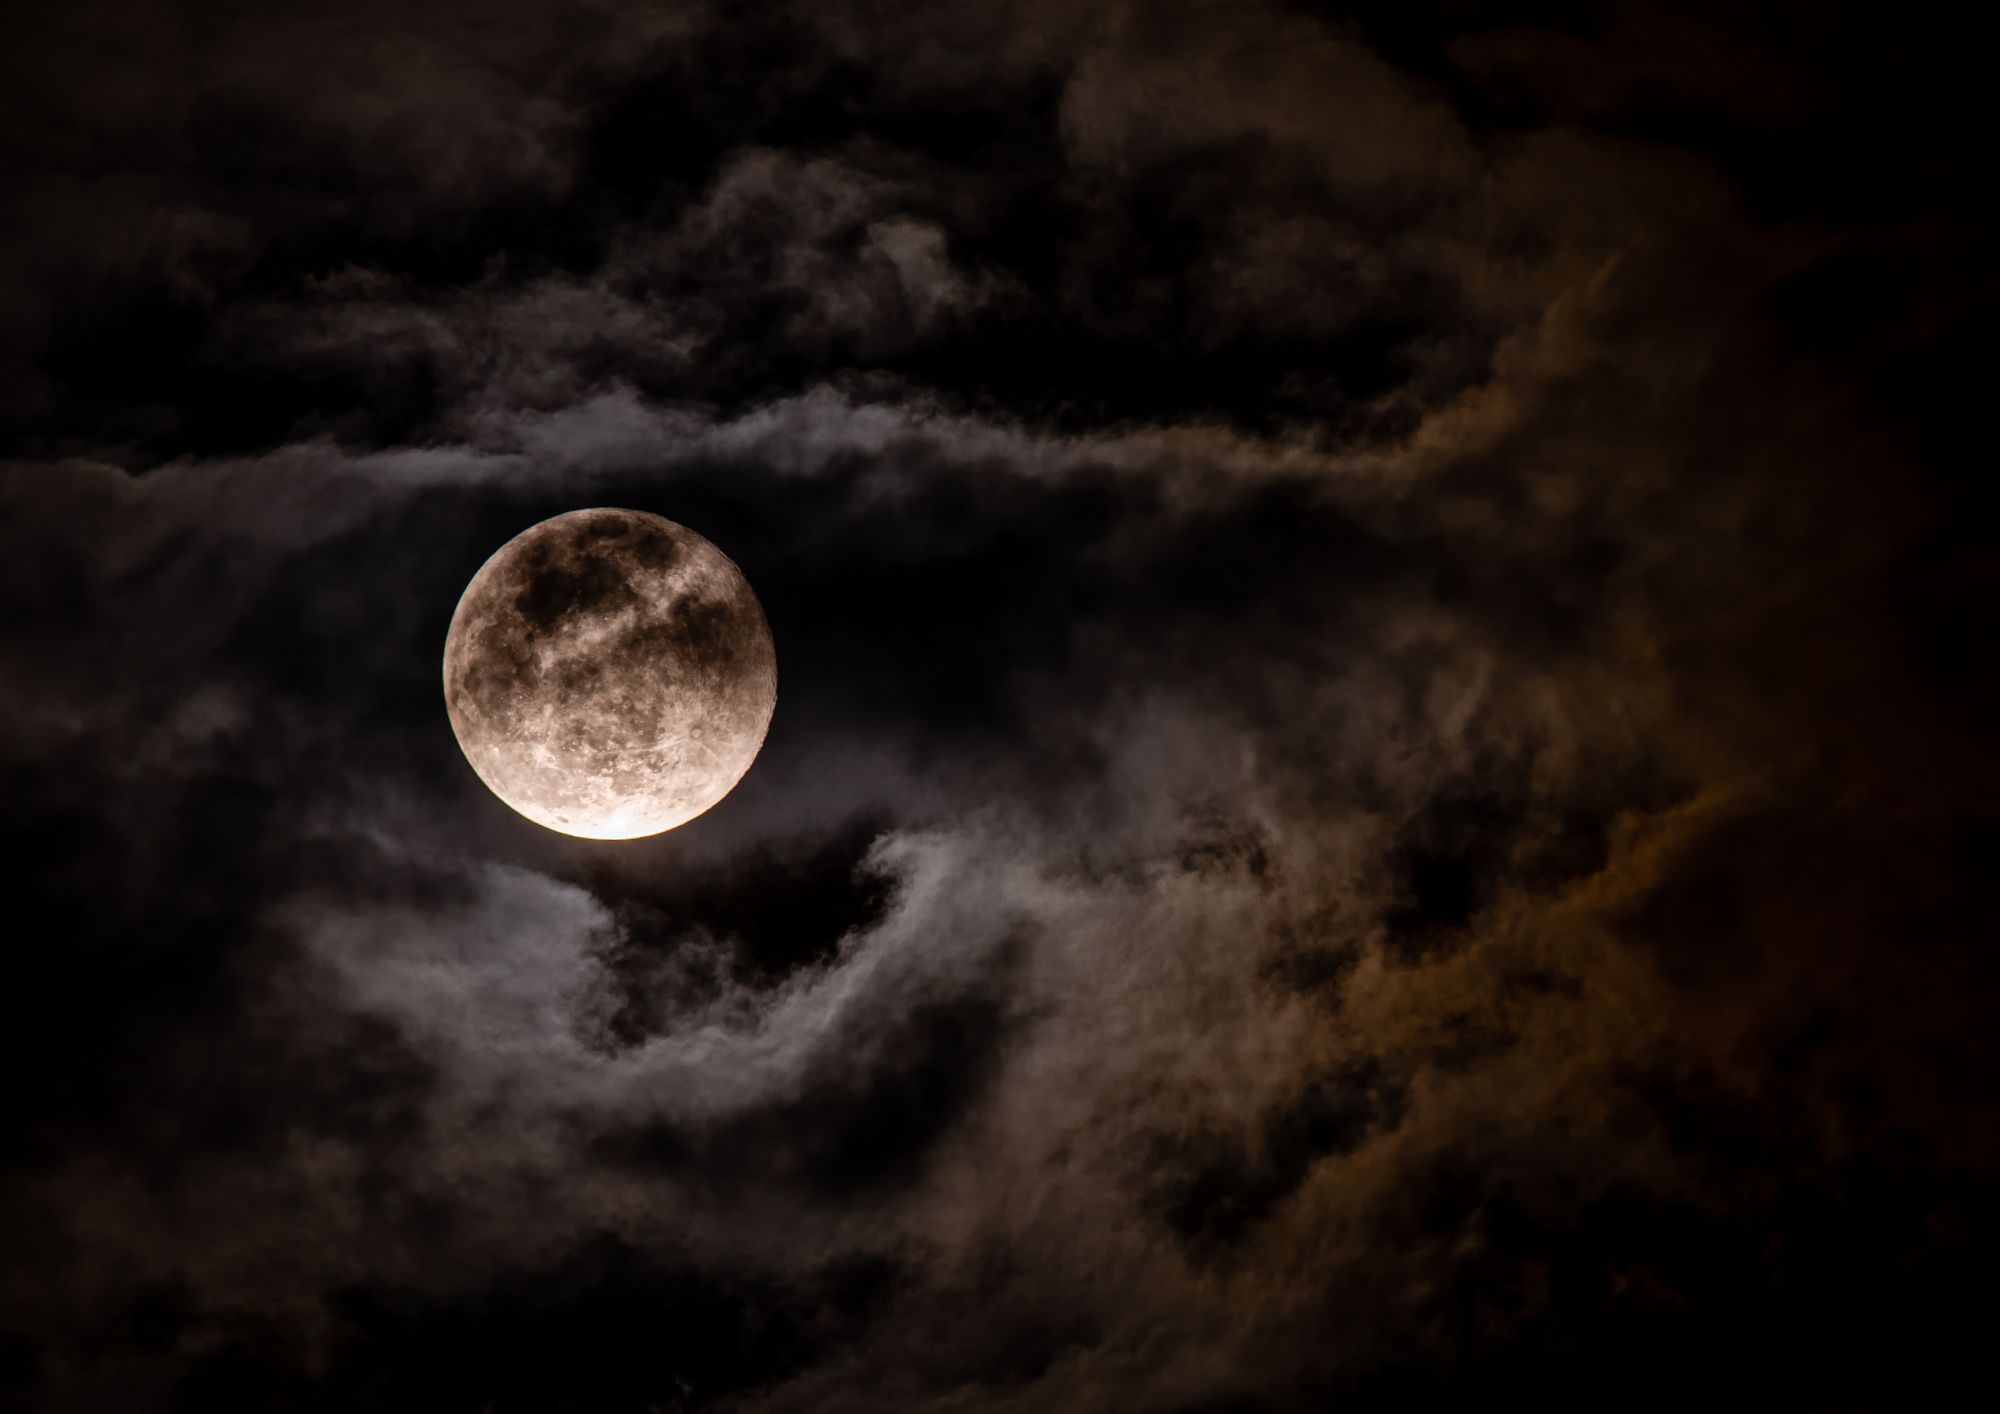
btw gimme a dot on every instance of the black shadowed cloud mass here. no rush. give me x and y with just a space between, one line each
1381 790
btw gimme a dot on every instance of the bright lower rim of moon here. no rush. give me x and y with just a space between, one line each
610 674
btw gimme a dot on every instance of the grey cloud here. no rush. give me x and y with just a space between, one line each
1355 804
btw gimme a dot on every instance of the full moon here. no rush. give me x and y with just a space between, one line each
609 674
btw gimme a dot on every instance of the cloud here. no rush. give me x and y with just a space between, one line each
1370 797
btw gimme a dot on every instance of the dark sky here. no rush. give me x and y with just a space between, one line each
1381 795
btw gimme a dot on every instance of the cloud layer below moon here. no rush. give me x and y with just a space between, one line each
1381 795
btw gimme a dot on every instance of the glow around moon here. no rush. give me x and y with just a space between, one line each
610 674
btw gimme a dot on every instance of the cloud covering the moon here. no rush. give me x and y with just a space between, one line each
1380 797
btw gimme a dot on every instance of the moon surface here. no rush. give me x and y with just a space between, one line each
610 674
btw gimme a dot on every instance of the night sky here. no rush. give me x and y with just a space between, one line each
1381 795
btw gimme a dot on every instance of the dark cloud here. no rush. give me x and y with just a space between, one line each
1379 792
